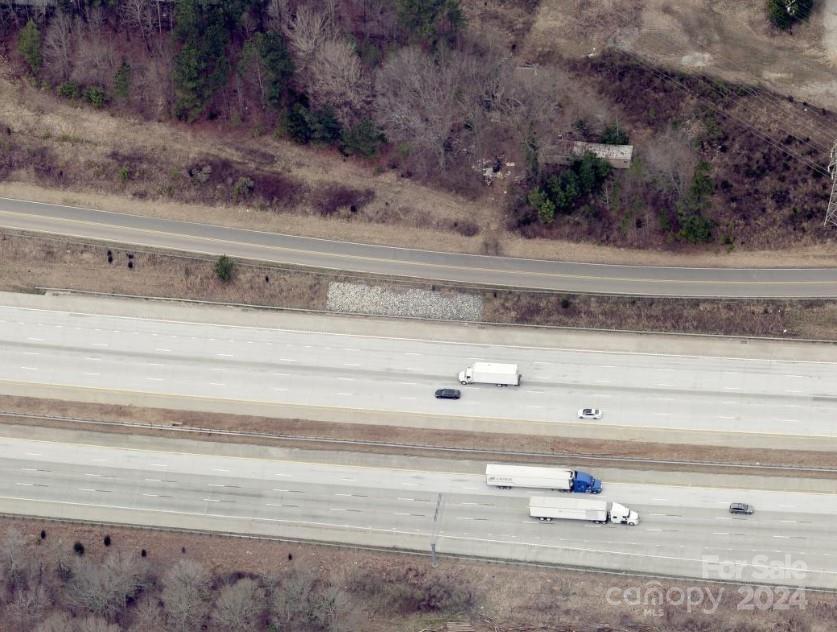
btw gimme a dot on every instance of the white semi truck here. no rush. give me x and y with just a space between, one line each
490 373
549 508
508 476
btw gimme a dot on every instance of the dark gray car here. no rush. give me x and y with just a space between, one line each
741 508
448 393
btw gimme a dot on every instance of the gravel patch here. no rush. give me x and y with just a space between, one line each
358 298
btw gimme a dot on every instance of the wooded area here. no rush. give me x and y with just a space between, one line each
410 86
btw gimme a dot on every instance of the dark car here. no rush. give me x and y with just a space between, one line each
741 508
448 393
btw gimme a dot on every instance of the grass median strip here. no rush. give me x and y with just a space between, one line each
382 439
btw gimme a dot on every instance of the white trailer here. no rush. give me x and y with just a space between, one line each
548 508
508 476
490 373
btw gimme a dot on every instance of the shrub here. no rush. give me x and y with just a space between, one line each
200 175
363 139
78 547
695 228
243 188
122 81
69 90
592 172
96 96
224 268
565 188
124 175
305 125
29 46
278 64
107 540
542 204
412 589
335 197
783 14
201 66
430 21
614 135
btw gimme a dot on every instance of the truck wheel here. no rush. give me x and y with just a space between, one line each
463 383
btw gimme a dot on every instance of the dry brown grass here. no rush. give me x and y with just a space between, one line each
28 262
545 448
803 319
90 148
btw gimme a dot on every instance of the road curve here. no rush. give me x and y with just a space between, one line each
424 264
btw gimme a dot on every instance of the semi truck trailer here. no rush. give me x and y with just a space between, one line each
490 373
547 508
508 476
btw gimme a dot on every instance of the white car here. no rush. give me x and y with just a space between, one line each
589 413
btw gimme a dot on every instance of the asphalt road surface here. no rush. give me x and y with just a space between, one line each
683 531
399 375
461 268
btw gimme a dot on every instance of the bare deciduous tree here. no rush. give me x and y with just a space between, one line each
96 56
278 14
140 17
14 560
95 624
302 597
148 617
186 592
152 88
335 79
291 595
103 589
328 65
58 46
57 622
239 606
27 607
671 160
306 33
416 102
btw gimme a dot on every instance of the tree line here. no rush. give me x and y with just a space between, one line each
52 586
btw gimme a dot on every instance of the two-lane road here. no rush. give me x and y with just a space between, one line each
405 262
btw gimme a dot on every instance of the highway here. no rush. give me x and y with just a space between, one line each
403 262
682 529
397 375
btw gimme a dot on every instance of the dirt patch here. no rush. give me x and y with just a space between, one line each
727 38
29 262
298 433
502 597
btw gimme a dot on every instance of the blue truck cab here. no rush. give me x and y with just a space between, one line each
584 483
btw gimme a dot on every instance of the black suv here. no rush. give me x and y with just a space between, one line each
741 508
448 393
